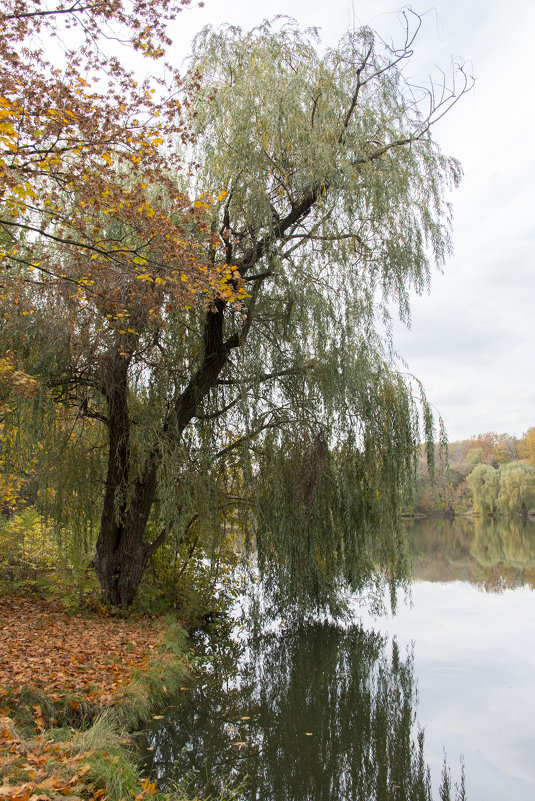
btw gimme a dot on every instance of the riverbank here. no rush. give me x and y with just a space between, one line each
73 688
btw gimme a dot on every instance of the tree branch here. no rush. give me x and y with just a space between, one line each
219 412
245 438
54 12
269 376
160 539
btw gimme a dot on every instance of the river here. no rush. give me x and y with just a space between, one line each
327 712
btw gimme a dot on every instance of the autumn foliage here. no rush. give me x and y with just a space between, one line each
39 770
100 243
526 447
62 654
90 199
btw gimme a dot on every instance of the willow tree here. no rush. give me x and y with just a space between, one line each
267 393
517 488
334 211
484 484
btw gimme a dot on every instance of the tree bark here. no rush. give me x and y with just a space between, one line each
122 552
116 545
120 565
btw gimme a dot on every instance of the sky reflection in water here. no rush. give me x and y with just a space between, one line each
474 664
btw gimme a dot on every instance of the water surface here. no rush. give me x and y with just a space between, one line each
472 622
333 713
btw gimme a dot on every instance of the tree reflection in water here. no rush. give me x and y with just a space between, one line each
494 554
320 713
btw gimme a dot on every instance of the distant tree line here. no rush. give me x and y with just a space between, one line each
488 473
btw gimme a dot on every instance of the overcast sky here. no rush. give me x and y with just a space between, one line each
472 339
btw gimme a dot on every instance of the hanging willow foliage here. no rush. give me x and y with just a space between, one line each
334 211
273 407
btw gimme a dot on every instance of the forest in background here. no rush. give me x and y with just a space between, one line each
490 474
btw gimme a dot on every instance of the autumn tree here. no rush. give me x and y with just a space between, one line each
253 387
449 488
88 155
85 186
517 488
492 448
97 237
526 447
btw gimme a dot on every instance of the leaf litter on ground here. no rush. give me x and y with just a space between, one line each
45 648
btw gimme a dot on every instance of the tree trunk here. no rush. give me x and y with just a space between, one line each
122 556
122 552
